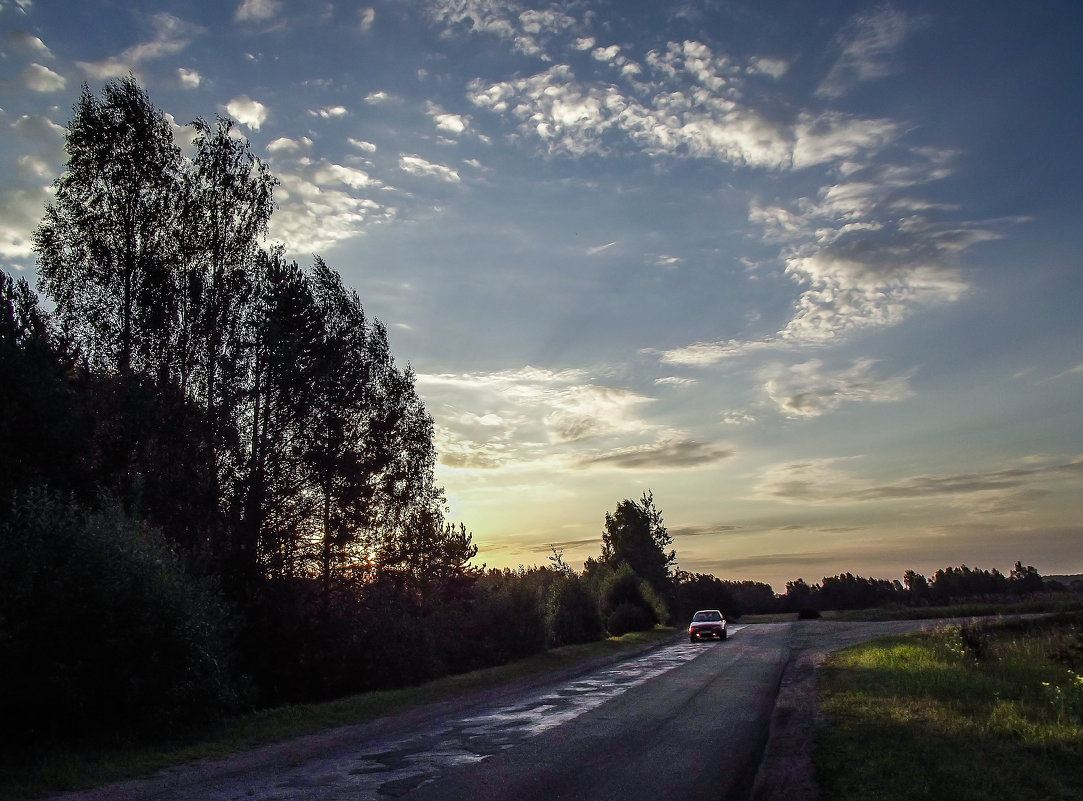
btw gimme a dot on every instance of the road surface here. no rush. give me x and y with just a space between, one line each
683 721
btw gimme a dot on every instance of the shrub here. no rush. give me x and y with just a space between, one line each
102 630
808 613
572 612
629 617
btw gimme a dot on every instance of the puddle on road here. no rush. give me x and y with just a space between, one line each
392 768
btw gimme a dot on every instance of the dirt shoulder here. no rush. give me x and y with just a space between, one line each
785 772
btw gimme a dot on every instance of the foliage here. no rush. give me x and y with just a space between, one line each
635 535
102 629
695 591
571 612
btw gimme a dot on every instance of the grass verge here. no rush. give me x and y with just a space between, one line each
92 767
989 709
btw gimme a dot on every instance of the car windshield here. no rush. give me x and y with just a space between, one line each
706 617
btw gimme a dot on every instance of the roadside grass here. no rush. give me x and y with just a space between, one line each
95 765
1072 603
987 709
878 614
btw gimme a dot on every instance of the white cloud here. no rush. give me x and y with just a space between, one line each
415 165
599 248
606 53
247 111
329 112
42 79
257 10
772 67
448 123
368 17
867 43
285 145
832 137
376 98
189 79
22 41
360 144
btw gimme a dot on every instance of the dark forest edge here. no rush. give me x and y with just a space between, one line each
217 488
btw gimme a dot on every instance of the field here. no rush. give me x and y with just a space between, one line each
988 709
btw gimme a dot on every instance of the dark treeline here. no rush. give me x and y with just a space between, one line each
217 486
951 585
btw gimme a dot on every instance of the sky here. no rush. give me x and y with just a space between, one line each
808 272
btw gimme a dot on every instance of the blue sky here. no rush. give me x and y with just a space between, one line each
809 272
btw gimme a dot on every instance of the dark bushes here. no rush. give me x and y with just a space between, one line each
101 629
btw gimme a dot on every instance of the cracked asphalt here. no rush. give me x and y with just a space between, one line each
683 721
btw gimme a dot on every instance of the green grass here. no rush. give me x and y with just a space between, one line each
91 767
1069 604
985 710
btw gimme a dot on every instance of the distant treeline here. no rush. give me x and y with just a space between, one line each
217 486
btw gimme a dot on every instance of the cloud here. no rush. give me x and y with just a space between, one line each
773 67
247 111
171 35
808 390
528 30
360 144
22 41
594 251
189 79
42 79
532 416
27 182
665 455
257 10
417 166
368 18
447 123
868 43
329 112
687 532
322 202
1005 490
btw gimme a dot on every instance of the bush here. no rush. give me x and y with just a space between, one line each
572 612
629 617
808 613
101 629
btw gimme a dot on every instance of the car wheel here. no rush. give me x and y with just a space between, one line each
691 639
724 635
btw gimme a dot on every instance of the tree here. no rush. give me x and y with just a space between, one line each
634 534
107 244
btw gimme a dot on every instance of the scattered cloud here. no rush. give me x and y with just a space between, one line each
808 390
417 166
248 112
42 79
999 491
594 251
665 455
368 18
170 36
189 79
329 112
257 10
868 44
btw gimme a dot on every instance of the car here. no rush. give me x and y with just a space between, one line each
707 623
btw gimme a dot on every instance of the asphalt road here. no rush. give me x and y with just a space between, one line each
682 721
